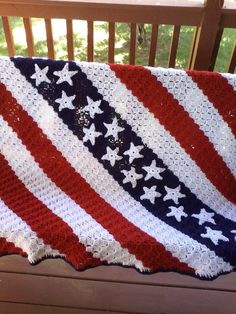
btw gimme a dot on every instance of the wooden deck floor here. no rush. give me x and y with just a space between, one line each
53 286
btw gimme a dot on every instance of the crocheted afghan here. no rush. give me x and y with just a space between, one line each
117 164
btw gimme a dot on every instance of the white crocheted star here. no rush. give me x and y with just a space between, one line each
177 212
65 101
234 231
153 171
173 194
92 107
133 152
65 75
113 128
40 75
204 216
150 194
90 134
112 155
214 235
131 176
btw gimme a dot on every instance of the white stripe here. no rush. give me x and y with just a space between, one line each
156 137
15 230
231 78
201 110
198 256
96 239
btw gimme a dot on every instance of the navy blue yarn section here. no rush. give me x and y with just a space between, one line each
82 87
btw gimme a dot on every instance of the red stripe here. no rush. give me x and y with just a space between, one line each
48 226
178 122
9 248
145 248
220 93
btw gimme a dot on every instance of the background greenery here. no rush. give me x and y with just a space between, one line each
122 42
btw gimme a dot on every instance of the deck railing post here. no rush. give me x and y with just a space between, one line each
29 36
216 49
70 40
8 35
232 61
206 35
49 35
90 41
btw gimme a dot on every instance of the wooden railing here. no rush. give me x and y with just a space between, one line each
209 18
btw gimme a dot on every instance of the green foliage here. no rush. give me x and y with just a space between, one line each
226 48
184 47
122 44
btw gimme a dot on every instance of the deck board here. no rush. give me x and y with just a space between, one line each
112 296
59 268
19 308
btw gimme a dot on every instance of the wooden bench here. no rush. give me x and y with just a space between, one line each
53 286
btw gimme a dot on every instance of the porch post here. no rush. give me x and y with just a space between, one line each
206 35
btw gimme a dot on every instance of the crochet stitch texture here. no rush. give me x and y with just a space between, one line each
117 164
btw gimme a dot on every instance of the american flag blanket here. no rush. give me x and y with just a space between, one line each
117 164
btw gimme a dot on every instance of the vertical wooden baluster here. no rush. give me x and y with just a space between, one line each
232 62
70 40
153 46
193 49
48 25
174 46
90 41
132 49
29 36
8 35
111 41
216 49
